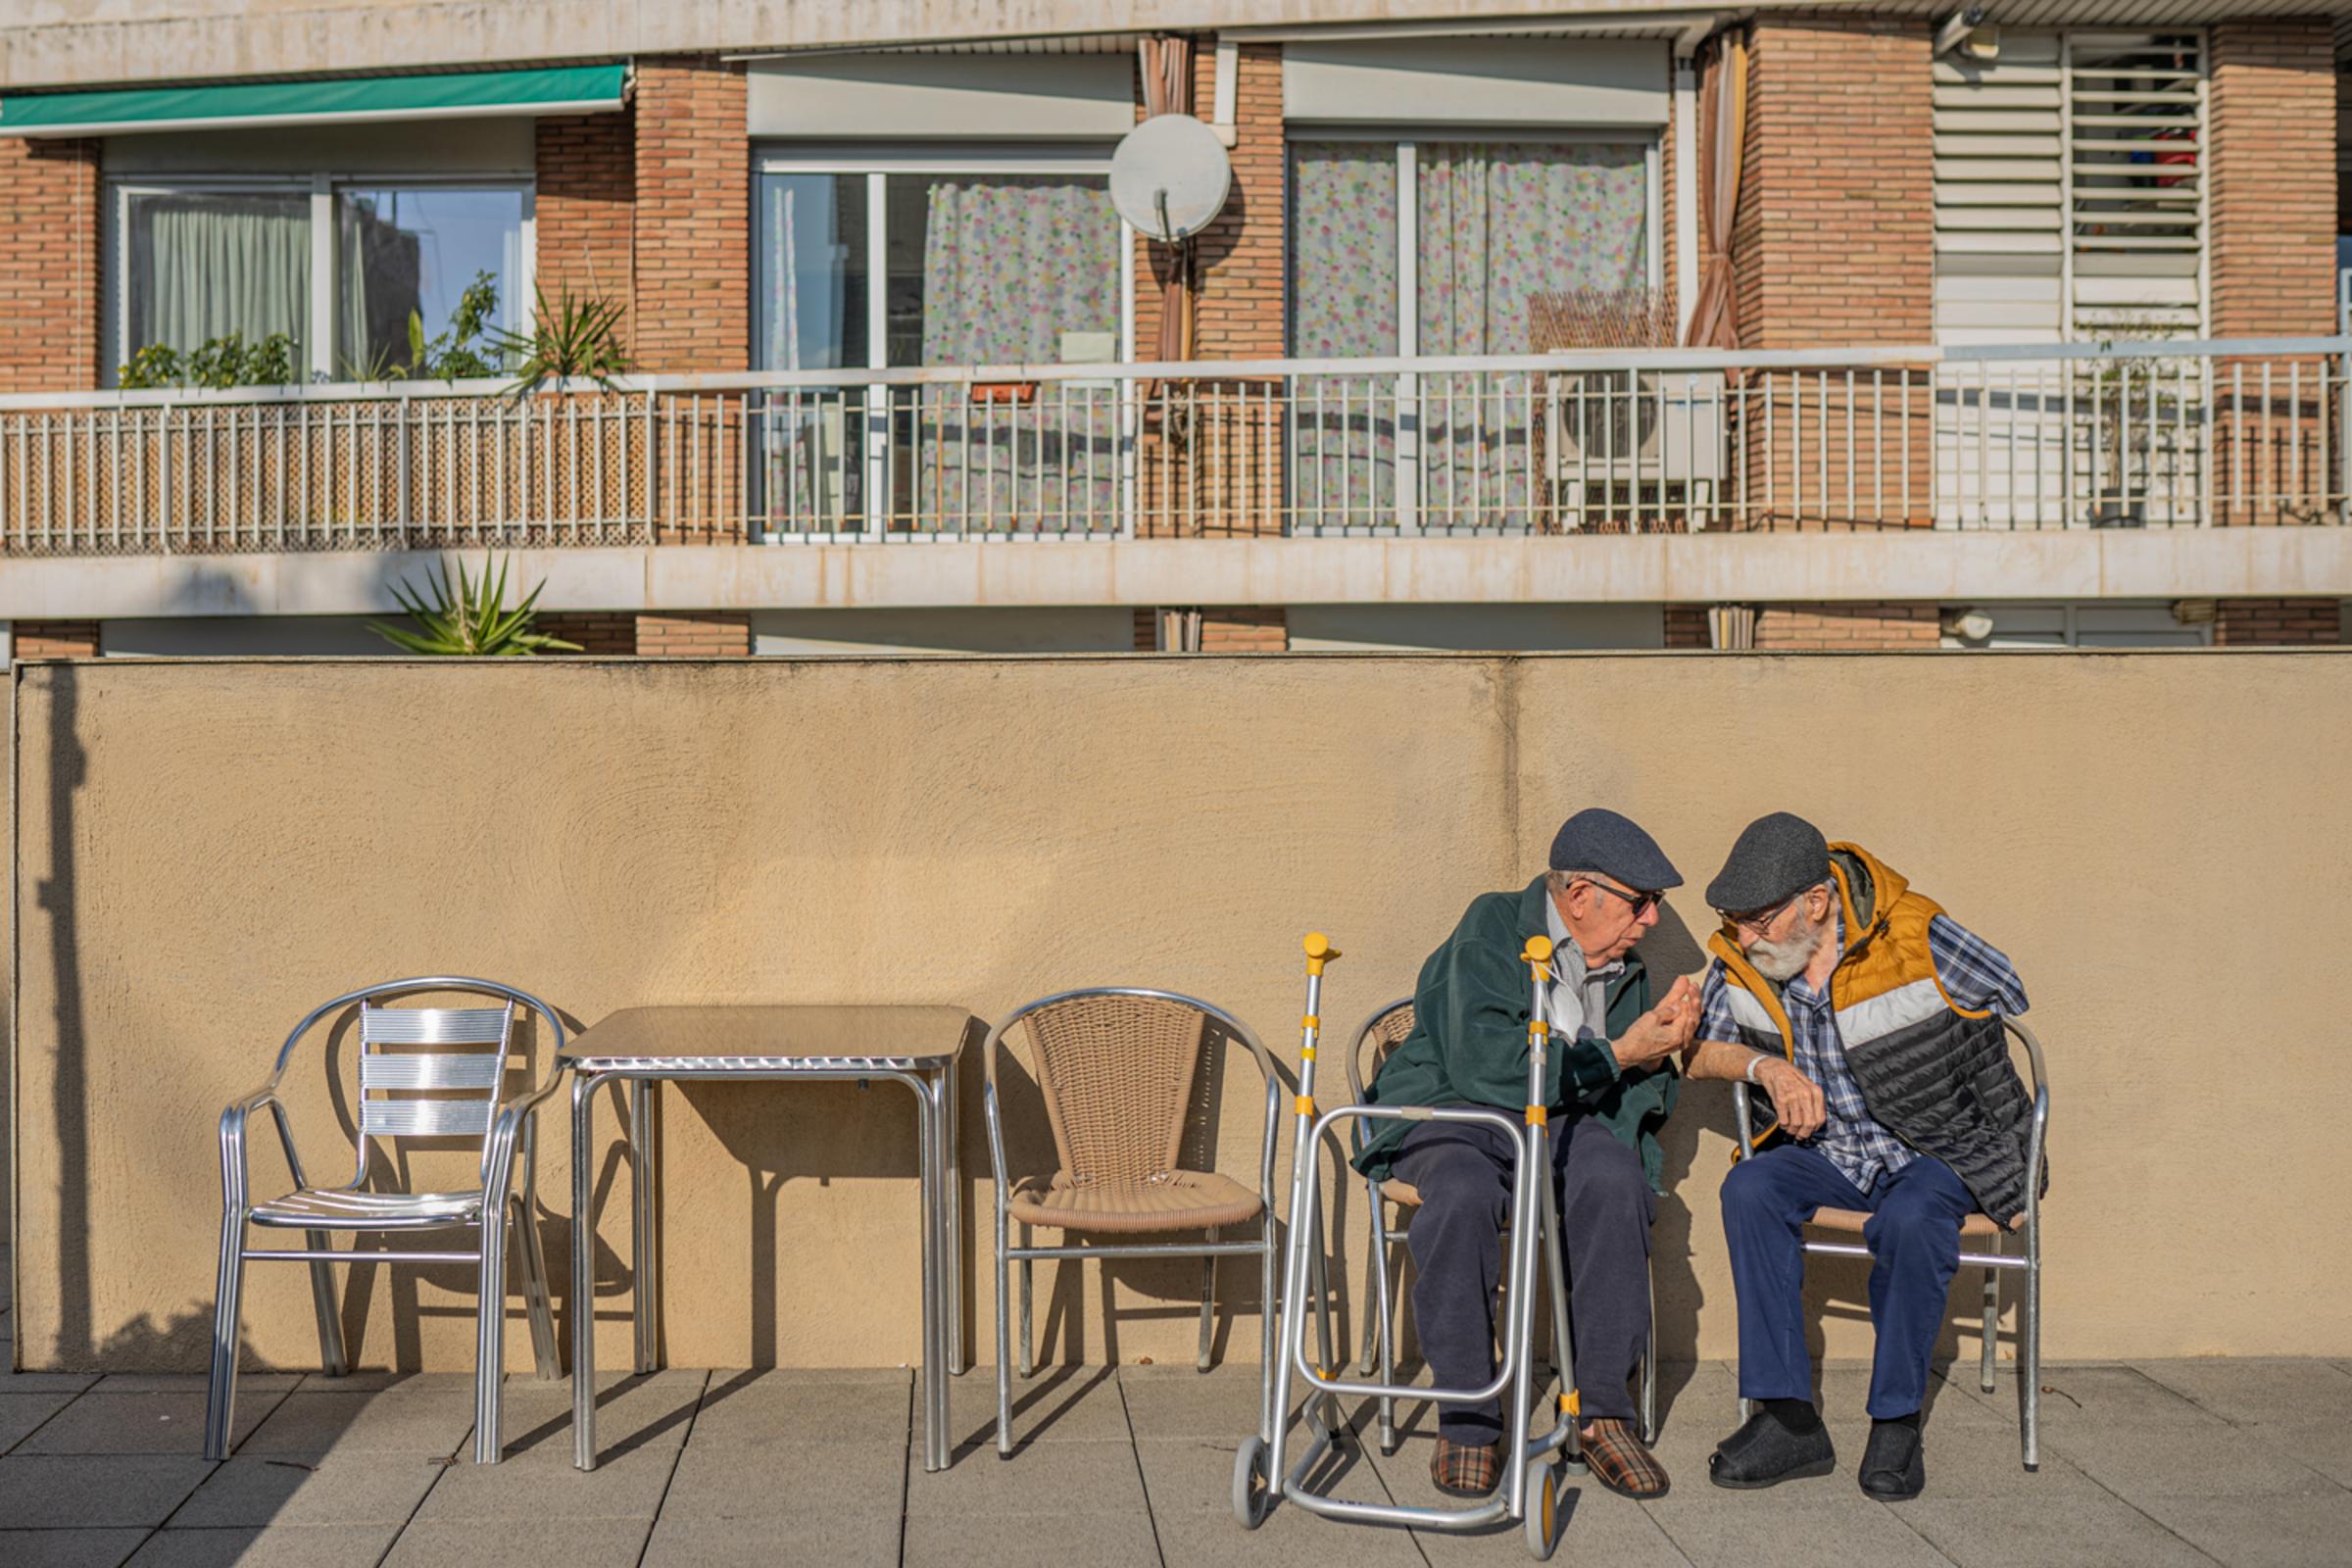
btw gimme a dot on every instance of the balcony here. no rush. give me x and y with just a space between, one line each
1879 440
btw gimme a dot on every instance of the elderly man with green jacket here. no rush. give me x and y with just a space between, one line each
1610 1084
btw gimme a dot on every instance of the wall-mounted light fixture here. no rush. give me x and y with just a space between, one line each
1965 33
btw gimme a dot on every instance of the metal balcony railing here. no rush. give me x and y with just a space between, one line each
2140 435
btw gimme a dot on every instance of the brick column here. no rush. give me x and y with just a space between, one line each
54 639
49 278
1244 629
586 204
695 634
692 217
2278 623
597 631
1861 626
2270 228
1834 243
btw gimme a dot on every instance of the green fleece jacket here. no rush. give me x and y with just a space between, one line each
1469 1041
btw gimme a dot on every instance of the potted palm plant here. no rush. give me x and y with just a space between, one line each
471 620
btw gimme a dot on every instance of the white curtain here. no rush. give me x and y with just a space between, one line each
215 264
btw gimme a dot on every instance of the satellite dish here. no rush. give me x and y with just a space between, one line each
1169 178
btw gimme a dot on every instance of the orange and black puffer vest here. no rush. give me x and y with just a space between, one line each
1932 1072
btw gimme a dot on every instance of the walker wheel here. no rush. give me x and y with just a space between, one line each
1543 1509
1252 1489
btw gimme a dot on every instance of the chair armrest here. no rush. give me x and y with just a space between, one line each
995 1121
235 1172
498 1152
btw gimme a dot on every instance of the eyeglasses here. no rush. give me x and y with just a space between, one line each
1758 919
1643 902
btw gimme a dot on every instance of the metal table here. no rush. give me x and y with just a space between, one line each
644 1046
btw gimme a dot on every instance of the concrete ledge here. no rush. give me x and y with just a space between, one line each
2188 562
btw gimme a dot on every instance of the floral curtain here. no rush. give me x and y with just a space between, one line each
1500 223
1344 235
1017 271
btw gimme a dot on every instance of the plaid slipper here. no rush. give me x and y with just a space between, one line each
1465 1470
1619 1461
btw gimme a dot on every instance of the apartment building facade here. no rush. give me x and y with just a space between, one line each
1519 325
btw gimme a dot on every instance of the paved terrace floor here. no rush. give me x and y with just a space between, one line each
2150 1466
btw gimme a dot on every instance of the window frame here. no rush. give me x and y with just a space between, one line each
321 186
1407 141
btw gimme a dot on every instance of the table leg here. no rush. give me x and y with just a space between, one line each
955 1215
928 1171
644 1244
584 1273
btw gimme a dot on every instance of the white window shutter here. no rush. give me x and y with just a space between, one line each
2136 152
2000 193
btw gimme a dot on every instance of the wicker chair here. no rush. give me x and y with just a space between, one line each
1992 1253
1118 1068
1377 1037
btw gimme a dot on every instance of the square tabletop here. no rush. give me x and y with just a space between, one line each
770 1039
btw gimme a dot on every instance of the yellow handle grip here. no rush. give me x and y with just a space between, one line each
1319 951
1538 953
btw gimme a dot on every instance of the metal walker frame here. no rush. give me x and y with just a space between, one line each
1529 1492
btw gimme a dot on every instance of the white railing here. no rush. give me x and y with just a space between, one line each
2131 436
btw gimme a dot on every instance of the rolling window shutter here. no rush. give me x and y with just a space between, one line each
2001 192
2136 146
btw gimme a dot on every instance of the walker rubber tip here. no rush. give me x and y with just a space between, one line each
1538 950
1318 946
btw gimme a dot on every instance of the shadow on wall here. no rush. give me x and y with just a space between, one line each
54 894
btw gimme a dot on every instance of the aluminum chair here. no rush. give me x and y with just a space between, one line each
1994 1259
1118 1068
404 1093
1375 1037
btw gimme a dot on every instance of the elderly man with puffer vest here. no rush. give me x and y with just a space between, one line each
1871 1020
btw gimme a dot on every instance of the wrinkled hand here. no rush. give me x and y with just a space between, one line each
1661 1031
1796 1100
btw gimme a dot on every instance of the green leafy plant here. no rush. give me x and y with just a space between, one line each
574 338
217 363
473 619
465 348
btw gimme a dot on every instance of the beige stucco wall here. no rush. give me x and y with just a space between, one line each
206 850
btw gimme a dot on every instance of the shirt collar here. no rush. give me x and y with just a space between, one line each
1836 935
1567 958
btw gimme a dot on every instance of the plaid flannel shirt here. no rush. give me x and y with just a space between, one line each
1974 974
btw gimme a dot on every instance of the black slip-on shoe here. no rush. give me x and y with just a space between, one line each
1895 1466
1764 1453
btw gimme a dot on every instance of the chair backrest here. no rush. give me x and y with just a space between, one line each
1375 1039
1117 1071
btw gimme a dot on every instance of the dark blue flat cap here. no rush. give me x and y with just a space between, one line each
1595 840
1774 857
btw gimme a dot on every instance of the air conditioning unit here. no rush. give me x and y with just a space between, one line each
1618 428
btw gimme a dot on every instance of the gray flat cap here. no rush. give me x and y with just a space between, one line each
1775 857
1595 840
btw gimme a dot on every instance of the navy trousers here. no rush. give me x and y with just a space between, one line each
1463 1171
1913 1241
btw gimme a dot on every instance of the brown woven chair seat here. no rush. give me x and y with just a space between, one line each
1851 1220
1173 1201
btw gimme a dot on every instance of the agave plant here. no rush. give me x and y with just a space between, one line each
472 620
574 338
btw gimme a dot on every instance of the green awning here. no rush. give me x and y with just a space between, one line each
559 90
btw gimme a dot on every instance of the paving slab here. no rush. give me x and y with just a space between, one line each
1291 1538
1032 1541
788 1481
1061 1476
103 1421
750 1412
422 1421
850 1535
1212 1405
68 1548
379 1380
251 1490
43 1382
45 1491
2093 1531
196 1383
2138 1463
1595 1526
2090 1393
277 1546
653 1411
22 1414
2324 1446
1196 1474
543 1542
543 1485
2243 1391
2262 1532
1711 1526
1067 1404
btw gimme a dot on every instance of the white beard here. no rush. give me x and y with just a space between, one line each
1783 961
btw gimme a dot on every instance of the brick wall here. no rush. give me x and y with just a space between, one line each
1863 624
692 218
49 275
2278 623
1687 626
597 631
2271 240
587 191
695 634
1834 236
54 639
1244 629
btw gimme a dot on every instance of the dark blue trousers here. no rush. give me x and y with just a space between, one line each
1913 1241
1463 1170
